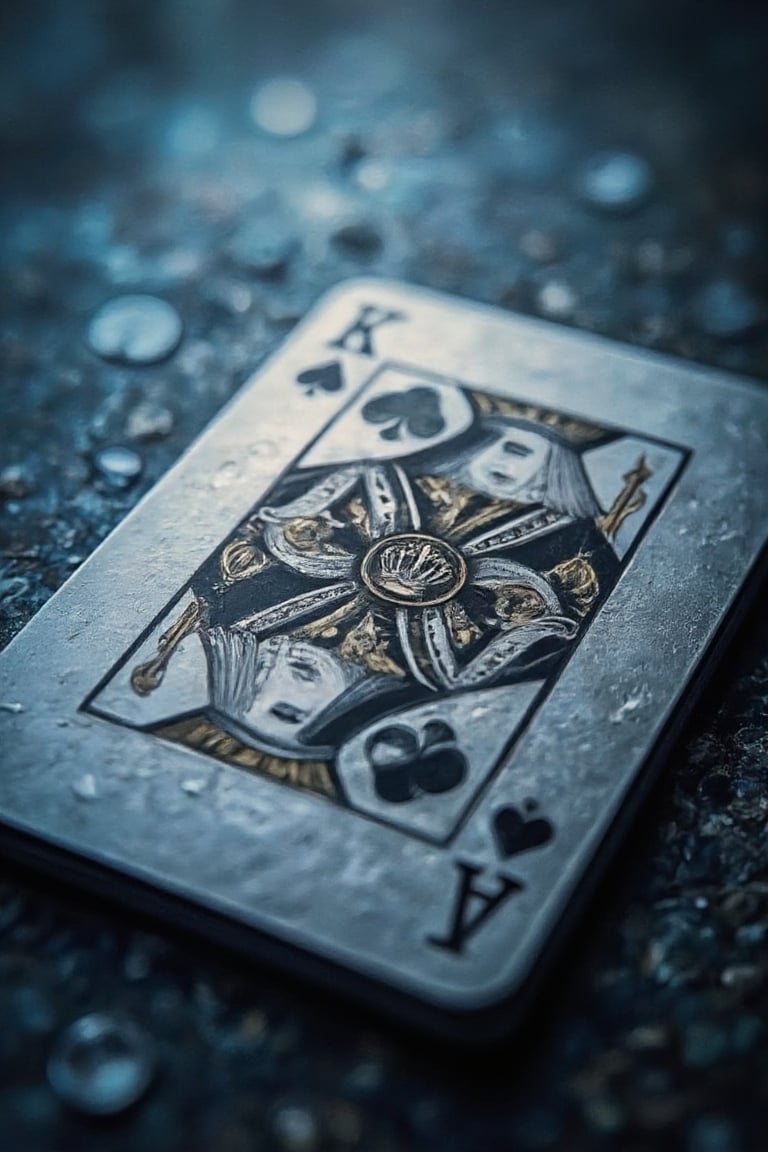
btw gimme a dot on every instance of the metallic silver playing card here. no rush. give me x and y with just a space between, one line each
370 680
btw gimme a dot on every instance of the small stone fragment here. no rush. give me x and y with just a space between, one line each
615 182
119 467
284 106
15 483
101 1064
742 977
135 329
149 421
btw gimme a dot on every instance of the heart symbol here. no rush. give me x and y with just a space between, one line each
517 832
415 412
325 376
406 765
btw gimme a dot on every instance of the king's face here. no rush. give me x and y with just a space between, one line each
506 466
302 681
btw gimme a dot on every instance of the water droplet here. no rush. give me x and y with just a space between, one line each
284 106
135 329
556 299
630 705
85 787
149 421
263 246
226 474
118 466
295 1128
263 448
615 181
101 1064
192 787
11 706
725 309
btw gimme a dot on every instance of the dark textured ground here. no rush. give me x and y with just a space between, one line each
446 150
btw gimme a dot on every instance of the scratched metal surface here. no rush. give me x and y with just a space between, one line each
447 148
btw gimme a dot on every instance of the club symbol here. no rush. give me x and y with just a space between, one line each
412 413
407 764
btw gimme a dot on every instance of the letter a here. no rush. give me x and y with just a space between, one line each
357 338
466 921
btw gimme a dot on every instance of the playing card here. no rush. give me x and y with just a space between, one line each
367 682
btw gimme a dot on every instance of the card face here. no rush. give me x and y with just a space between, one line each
374 670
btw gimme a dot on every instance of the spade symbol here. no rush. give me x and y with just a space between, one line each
517 831
407 764
412 413
326 377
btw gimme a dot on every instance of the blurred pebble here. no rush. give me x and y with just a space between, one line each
540 246
263 246
615 181
295 1128
703 1044
712 1134
725 309
742 977
15 483
556 299
101 1064
359 238
33 1012
12 587
118 466
149 421
284 106
135 329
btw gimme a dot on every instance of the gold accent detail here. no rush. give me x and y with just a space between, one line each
365 645
448 497
203 735
463 630
408 568
240 560
517 604
146 677
577 431
495 510
631 499
358 517
326 628
577 580
307 533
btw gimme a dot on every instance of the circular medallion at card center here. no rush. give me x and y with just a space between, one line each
413 570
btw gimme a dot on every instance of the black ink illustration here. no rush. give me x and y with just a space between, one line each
465 554
407 764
